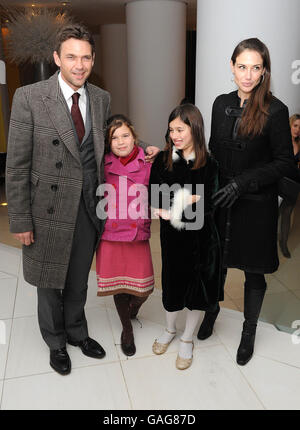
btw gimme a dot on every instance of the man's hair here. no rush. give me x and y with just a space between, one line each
74 31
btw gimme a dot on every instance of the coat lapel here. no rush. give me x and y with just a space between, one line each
131 170
88 120
98 126
58 112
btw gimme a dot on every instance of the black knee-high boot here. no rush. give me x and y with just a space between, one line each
127 340
135 304
253 299
207 324
285 210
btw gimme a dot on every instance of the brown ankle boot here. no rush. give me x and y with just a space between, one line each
135 304
127 340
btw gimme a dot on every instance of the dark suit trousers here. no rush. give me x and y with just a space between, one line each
61 312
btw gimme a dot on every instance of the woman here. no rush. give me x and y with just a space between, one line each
295 131
251 140
191 253
289 190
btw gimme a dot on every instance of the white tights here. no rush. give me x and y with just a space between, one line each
192 318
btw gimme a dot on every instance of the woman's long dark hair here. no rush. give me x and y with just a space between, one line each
190 115
255 114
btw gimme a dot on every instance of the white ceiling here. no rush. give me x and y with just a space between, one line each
97 12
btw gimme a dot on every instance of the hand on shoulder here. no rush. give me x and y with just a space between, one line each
151 153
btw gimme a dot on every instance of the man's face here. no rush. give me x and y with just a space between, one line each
75 61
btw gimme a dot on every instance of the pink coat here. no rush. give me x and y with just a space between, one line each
127 199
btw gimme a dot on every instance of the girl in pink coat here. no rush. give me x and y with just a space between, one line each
123 259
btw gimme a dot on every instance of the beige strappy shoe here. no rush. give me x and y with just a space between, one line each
184 363
160 348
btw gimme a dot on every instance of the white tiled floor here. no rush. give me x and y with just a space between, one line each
271 380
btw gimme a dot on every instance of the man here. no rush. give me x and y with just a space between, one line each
54 165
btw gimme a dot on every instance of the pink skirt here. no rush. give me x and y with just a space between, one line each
124 267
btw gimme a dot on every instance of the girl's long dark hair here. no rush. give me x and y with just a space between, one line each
255 114
190 115
114 122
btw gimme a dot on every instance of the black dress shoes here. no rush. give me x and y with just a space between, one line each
89 347
60 361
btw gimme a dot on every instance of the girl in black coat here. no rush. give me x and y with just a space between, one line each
251 140
191 252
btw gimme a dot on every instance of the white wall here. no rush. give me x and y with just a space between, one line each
221 25
156 35
114 65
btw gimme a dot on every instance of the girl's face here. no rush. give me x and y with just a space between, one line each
181 135
247 70
122 141
295 129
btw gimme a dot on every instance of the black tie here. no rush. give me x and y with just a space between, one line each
77 117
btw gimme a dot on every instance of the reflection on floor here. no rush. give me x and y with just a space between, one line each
271 380
282 301
281 305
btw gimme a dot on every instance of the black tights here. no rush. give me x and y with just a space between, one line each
255 281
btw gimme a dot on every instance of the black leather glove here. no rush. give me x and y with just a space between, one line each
227 195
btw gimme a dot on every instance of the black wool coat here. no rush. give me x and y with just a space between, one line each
191 259
248 229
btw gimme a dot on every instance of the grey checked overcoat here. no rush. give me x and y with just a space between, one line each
44 175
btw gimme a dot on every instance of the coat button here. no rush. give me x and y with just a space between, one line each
54 187
50 211
58 165
55 142
133 225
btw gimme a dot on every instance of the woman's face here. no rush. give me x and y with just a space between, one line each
181 135
122 141
247 71
295 129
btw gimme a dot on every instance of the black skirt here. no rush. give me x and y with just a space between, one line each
192 276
